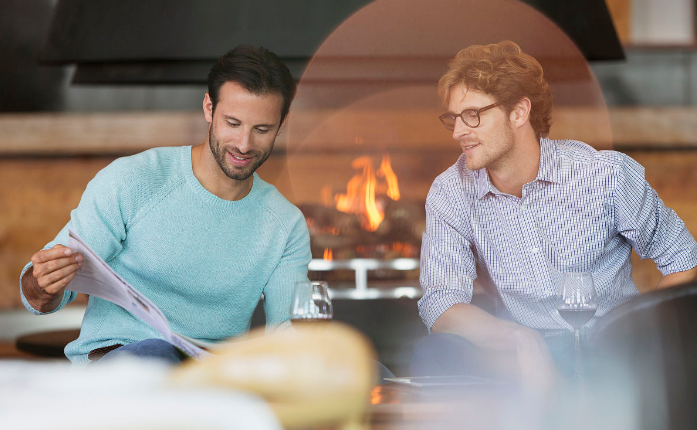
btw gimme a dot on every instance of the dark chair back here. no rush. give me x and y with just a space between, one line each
652 341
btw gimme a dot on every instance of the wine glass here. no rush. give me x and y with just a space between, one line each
311 302
577 302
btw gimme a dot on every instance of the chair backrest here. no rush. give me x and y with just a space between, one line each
652 339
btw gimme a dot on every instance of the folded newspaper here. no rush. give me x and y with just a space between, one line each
96 278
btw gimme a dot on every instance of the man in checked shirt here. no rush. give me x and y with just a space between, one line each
515 211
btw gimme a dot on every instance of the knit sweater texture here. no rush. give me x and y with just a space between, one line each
204 261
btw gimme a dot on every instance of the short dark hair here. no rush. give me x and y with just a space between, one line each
257 70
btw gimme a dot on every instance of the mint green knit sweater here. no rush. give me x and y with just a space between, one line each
202 260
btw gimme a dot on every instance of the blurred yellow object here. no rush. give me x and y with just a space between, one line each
312 374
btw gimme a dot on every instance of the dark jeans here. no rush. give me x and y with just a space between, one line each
149 348
445 354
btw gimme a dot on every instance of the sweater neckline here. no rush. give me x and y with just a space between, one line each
209 197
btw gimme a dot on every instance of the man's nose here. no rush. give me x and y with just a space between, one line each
244 144
461 129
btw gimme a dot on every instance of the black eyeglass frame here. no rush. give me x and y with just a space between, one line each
462 116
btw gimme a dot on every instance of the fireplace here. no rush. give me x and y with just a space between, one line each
368 233
360 174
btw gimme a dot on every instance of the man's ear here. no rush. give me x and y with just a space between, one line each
520 115
208 108
283 124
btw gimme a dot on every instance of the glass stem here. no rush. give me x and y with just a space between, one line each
577 341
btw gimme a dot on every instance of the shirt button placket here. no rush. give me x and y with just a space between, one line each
535 256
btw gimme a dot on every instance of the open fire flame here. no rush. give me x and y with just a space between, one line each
362 189
328 254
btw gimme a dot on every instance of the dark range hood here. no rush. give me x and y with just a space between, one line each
176 41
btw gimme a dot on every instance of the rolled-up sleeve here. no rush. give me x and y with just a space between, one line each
654 230
447 263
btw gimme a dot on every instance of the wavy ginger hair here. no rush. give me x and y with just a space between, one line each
506 73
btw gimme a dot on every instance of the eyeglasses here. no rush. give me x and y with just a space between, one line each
469 116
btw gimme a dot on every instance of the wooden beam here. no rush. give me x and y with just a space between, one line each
98 133
331 131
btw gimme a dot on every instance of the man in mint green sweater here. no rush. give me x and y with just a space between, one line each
193 228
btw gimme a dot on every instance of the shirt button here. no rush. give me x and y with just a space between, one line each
534 250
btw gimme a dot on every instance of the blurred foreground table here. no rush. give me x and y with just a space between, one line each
394 406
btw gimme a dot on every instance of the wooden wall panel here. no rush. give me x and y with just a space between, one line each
36 197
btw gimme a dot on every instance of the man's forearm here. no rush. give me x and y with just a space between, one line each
38 298
482 329
678 278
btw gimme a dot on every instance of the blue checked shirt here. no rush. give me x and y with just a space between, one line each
584 211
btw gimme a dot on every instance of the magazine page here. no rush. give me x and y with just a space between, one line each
208 346
98 279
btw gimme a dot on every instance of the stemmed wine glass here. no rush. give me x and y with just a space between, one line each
577 302
311 302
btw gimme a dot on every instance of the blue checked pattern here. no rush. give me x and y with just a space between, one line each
585 211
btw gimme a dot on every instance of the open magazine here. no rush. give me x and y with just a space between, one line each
96 278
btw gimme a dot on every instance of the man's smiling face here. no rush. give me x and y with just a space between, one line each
489 144
243 128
